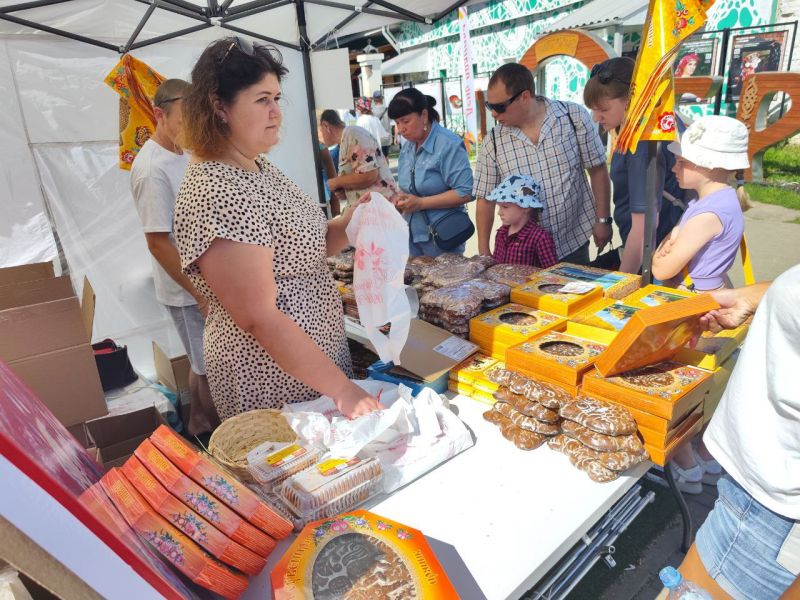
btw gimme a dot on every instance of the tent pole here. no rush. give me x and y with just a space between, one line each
27 5
651 216
169 36
254 11
348 7
454 6
138 30
341 24
258 36
59 32
177 10
305 50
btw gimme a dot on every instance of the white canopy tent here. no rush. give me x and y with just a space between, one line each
60 186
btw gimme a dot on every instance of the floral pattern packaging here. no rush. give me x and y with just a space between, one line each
380 236
203 502
173 545
189 522
223 485
507 325
367 555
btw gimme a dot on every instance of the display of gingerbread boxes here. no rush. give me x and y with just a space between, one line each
614 284
560 356
556 294
507 325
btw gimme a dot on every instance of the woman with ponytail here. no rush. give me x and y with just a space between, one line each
434 174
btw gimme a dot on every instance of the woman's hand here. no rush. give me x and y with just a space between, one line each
355 402
333 183
735 309
408 203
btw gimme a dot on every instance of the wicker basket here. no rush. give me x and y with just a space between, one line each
232 440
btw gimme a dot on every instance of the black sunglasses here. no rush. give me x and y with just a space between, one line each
604 74
244 46
500 107
167 101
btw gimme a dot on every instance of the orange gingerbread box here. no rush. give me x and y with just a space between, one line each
363 553
615 284
189 522
507 325
203 502
223 485
655 334
174 546
544 291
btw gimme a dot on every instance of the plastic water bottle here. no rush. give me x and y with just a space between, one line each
679 588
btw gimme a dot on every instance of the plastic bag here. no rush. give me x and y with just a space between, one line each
380 236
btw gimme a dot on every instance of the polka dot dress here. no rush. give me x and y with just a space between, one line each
265 208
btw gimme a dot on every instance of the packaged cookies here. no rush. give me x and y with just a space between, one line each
600 416
510 275
220 484
331 486
272 462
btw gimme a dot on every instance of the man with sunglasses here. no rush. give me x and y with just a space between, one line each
156 176
556 143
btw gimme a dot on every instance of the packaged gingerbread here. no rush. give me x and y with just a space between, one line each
600 416
223 485
189 522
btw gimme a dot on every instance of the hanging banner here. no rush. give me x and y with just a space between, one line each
651 109
470 114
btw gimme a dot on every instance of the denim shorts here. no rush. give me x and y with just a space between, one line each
739 545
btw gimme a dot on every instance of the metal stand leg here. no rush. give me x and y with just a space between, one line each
688 530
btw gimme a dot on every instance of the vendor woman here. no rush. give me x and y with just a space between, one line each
433 171
606 95
255 244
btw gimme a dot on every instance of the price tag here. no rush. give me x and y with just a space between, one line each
577 287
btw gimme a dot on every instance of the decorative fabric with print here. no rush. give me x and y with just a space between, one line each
136 83
268 209
531 245
359 152
558 162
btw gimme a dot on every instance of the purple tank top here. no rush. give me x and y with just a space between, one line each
709 266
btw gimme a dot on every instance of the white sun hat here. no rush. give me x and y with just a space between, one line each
714 142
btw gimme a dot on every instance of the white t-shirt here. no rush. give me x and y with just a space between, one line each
755 432
156 176
381 112
373 125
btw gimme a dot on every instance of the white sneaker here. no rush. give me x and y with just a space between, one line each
689 481
712 470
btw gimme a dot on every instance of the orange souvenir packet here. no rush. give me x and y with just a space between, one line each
178 549
221 484
202 502
189 522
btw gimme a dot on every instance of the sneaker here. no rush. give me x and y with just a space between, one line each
689 481
712 470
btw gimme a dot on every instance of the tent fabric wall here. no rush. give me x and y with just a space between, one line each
62 142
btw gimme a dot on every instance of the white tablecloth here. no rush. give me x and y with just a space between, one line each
497 517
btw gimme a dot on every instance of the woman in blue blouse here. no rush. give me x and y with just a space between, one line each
434 174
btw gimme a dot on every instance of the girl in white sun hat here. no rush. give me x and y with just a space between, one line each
705 242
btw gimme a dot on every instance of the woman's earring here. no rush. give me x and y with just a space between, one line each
425 128
222 118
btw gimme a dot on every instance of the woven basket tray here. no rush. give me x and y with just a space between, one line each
232 440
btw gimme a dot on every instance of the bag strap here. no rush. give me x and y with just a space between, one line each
747 267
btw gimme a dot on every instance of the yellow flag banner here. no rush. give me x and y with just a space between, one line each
651 106
136 84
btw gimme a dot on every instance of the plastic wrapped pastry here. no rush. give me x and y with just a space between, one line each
511 275
449 258
530 409
443 275
602 442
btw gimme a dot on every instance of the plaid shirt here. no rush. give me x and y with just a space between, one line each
531 245
557 162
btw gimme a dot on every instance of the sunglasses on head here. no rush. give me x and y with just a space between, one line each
500 107
168 100
244 46
604 74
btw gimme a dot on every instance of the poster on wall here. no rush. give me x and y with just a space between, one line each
696 58
753 54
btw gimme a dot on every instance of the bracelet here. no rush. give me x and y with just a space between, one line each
604 220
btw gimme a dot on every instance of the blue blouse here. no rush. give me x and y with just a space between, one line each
440 164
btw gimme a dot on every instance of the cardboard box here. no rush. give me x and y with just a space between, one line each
615 284
11 275
172 373
430 351
66 381
543 292
33 292
117 436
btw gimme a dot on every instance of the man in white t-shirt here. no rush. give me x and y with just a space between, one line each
749 545
156 176
381 112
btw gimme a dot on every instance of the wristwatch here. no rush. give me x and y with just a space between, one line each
604 220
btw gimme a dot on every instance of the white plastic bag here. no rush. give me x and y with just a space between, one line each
380 237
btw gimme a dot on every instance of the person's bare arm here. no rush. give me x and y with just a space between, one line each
736 306
336 237
327 163
601 190
671 258
634 245
484 220
165 252
409 203
242 279
793 591
354 181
